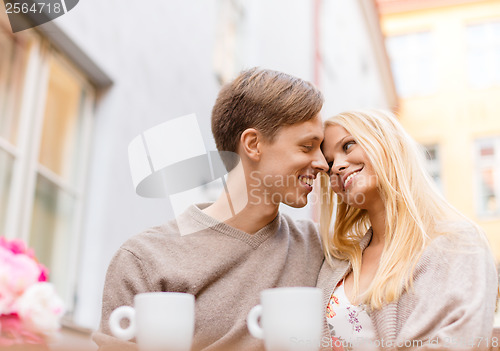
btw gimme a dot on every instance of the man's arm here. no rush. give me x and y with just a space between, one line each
125 278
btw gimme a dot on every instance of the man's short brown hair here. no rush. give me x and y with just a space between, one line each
262 99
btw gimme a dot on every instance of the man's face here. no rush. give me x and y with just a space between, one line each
289 164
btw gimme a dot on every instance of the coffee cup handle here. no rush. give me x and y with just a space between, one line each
252 321
114 322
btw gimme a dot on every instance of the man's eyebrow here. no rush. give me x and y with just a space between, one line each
311 137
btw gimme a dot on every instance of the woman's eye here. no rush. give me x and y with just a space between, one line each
348 145
307 147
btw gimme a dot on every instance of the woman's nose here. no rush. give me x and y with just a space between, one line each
338 166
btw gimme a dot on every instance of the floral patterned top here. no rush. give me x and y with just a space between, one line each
350 326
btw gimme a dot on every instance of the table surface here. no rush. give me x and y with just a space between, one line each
72 339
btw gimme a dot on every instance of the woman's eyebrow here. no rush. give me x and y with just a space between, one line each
341 141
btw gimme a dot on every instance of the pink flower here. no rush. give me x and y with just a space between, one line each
17 273
30 309
16 246
13 332
44 273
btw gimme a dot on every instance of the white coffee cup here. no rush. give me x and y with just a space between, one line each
291 318
158 321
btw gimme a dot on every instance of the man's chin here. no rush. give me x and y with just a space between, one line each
296 203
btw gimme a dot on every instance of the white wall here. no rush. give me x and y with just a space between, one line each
352 76
160 56
278 35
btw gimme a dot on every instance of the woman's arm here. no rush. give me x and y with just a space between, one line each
452 303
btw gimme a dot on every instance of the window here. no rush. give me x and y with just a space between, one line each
483 45
487 152
45 123
433 163
412 63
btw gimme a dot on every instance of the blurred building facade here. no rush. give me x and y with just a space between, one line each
74 92
445 57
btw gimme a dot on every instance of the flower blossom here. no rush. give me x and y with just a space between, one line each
17 273
30 309
41 309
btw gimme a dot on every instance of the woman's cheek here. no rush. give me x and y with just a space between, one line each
336 183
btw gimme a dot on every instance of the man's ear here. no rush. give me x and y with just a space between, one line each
251 140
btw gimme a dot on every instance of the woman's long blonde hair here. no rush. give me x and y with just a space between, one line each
413 206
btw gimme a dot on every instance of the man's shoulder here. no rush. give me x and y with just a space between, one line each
154 237
172 232
301 227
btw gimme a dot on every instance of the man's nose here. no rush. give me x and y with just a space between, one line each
319 162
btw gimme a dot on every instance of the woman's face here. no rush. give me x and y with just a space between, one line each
351 173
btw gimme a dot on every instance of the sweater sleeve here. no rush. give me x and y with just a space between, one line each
125 278
453 299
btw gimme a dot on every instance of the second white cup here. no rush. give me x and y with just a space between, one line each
158 321
291 319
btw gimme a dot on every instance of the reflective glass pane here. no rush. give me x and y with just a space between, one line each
52 227
412 63
488 200
483 41
496 30
433 164
495 66
13 61
487 151
476 65
6 166
61 136
431 153
475 34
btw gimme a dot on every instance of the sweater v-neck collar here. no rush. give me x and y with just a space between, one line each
254 240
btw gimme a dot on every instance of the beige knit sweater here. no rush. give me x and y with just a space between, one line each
452 302
223 267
